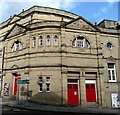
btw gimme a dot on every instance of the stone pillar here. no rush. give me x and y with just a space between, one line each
64 88
82 90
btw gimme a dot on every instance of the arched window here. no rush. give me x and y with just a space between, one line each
55 40
40 41
34 41
80 42
16 46
48 40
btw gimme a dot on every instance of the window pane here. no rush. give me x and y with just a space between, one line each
40 86
56 41
111 65
41 41
80 43
48 40
109 74
34 41
0 52
74 43
113 75
109 45
47 87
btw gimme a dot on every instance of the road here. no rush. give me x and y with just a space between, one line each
6 110
23 112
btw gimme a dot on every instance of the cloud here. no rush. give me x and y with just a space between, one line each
100 12
10 7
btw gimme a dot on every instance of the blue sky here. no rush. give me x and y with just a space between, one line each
93 11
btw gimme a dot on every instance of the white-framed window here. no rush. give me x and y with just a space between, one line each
80 42
40 84
111 72
47 84
34 41
55 40
0 52
41 41
16 46
0 73
48 40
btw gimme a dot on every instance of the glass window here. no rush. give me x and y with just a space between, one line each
34 41
0 52
40 84
48 40
111 72
81 42
16 46
47 84
55 40
109 45
40 41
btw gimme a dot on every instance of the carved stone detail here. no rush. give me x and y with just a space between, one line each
16 30
80 24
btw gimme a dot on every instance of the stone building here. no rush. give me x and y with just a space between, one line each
67 59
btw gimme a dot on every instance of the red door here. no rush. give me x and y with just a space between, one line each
73 94
15 87
90 92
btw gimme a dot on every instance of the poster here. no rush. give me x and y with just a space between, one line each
115 100
6 89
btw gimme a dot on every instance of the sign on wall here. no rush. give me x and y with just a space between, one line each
6 89
115 100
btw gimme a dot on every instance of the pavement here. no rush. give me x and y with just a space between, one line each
44 107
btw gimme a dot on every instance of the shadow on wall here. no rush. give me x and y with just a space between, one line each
43 97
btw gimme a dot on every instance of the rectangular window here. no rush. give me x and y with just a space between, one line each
0 52
80 43
34 41
55 41
111 72
40 41
47 84
17 46
48 40
40 83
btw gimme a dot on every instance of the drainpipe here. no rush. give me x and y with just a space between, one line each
98 66
61 70
2 71
118 30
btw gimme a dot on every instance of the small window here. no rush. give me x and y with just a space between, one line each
0 52
34 41
111 72
47 84
80 42
40 41
55 40
16 46
48 40
40 84
109 45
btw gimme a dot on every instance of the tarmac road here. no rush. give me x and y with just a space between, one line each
24 112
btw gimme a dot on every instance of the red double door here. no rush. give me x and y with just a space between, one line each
90 92
73 98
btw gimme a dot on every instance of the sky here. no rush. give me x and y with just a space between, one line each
92 10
